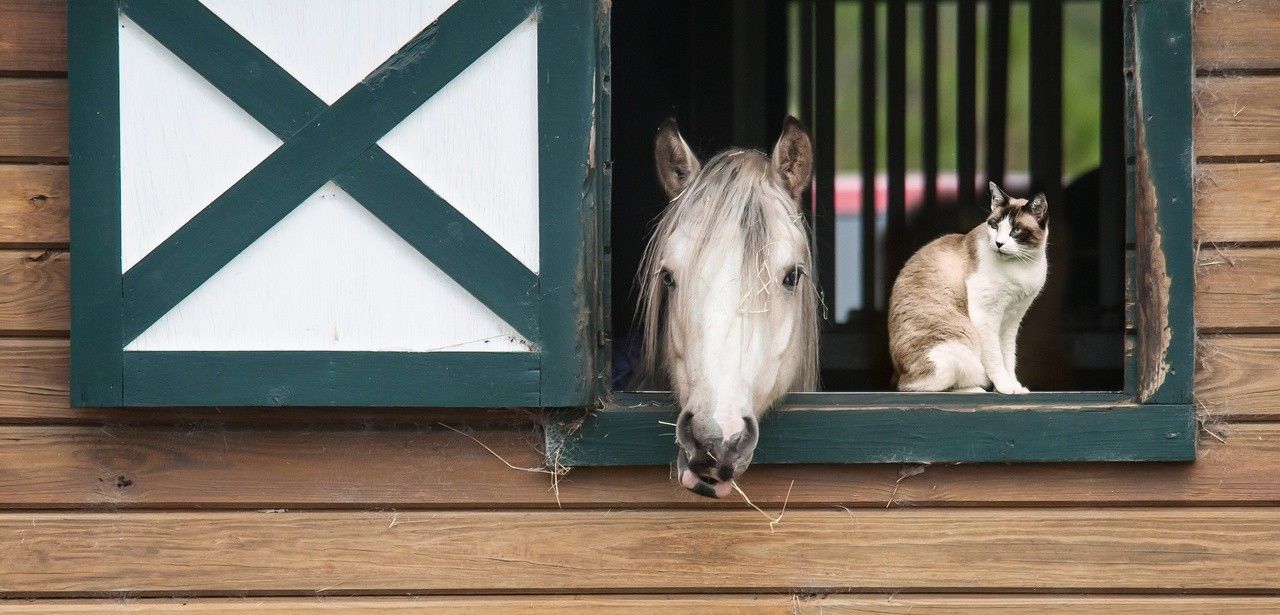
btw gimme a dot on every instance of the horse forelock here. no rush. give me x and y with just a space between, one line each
735 190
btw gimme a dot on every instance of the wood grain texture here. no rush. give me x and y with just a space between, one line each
1237 377
34 292
1237 116
1237 288
1236 202
767 604
33 206
70 554
33 119
34 376
513 605
1044 605
33 36
118 466
1232 35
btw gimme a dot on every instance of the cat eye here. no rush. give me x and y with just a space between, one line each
993 223
667 279
792 278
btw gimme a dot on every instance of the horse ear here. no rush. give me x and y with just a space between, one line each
674 160
793 157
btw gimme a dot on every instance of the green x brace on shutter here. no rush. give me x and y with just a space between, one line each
338 143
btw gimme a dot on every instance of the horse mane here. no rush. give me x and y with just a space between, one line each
736 188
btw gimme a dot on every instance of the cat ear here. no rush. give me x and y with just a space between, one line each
1039 207
998 197
793 157
673 159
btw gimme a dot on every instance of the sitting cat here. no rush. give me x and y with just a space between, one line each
957 304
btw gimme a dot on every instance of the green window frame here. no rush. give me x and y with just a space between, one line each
1152 419
321 143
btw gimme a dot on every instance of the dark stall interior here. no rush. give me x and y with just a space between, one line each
928 97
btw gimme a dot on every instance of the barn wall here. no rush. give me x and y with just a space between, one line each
292 511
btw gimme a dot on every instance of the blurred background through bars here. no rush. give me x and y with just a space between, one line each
914 106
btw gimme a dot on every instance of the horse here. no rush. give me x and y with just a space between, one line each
727 303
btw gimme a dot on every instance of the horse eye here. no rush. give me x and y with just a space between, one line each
667 279
793 277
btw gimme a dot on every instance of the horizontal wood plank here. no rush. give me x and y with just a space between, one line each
1237 288
1236 202
116 466
1139 550
766 604
897 604
1235 34
34 209
34 292
1238 376
1238 116
33 119
34 379
775 604
33 36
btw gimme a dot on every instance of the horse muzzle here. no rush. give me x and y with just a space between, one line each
697 484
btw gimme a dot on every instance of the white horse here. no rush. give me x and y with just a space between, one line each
727 302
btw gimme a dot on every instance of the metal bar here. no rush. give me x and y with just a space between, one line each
867 149
805 44
775 84
1111 219
1046 94
966 105
824 126
896 135
929 104
997 87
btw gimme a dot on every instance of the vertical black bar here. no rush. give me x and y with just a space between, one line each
775 104
966 104
997 87
867 149
929 104
1111 219
824 127
1046 100
896 136
805 10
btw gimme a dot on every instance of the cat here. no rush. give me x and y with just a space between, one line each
956 306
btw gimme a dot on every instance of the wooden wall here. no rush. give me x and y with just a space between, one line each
296 511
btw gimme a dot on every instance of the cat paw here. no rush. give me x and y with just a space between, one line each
1012 387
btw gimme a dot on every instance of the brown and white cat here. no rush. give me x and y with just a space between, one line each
957 304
